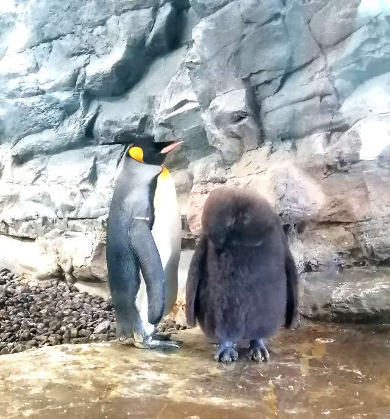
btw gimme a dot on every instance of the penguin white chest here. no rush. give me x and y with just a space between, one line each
166 229
166 233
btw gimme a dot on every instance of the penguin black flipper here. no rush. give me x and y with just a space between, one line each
145 249
195 272
292 286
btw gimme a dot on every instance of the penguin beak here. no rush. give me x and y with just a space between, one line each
170 147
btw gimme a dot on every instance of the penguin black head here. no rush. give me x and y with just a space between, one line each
151 152
144 149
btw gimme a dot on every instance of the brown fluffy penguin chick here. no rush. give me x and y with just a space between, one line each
242 281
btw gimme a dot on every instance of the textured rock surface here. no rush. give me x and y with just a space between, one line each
314 372
288 98
361 296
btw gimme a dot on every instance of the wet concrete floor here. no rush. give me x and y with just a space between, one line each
317 371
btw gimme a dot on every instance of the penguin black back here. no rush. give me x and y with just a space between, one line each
242 281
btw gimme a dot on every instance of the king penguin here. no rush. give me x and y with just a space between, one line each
143 242
242 281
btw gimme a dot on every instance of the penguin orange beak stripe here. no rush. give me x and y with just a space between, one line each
170 147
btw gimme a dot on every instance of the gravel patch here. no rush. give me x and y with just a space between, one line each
52 313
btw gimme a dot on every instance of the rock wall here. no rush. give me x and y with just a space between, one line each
288 97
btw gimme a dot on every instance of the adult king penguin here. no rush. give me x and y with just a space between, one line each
242 281
143 242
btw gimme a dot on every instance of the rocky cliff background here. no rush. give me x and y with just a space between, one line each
288 97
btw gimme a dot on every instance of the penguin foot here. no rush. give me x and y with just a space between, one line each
165 337
125 340
257 351
162 336
226 353
151 343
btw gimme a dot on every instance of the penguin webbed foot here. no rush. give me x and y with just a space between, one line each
226 352
164 337
153 342
257 351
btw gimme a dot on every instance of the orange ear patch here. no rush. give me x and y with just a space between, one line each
137 154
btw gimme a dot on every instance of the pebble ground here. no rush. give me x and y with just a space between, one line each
51 313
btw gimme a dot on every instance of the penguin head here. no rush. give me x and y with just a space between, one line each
144 149
150 152
235 216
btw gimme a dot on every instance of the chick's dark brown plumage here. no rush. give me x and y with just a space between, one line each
242 281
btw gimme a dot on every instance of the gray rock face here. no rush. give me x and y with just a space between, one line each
255 54
124 59
361 296
231 125
207 7
213 65
288 98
